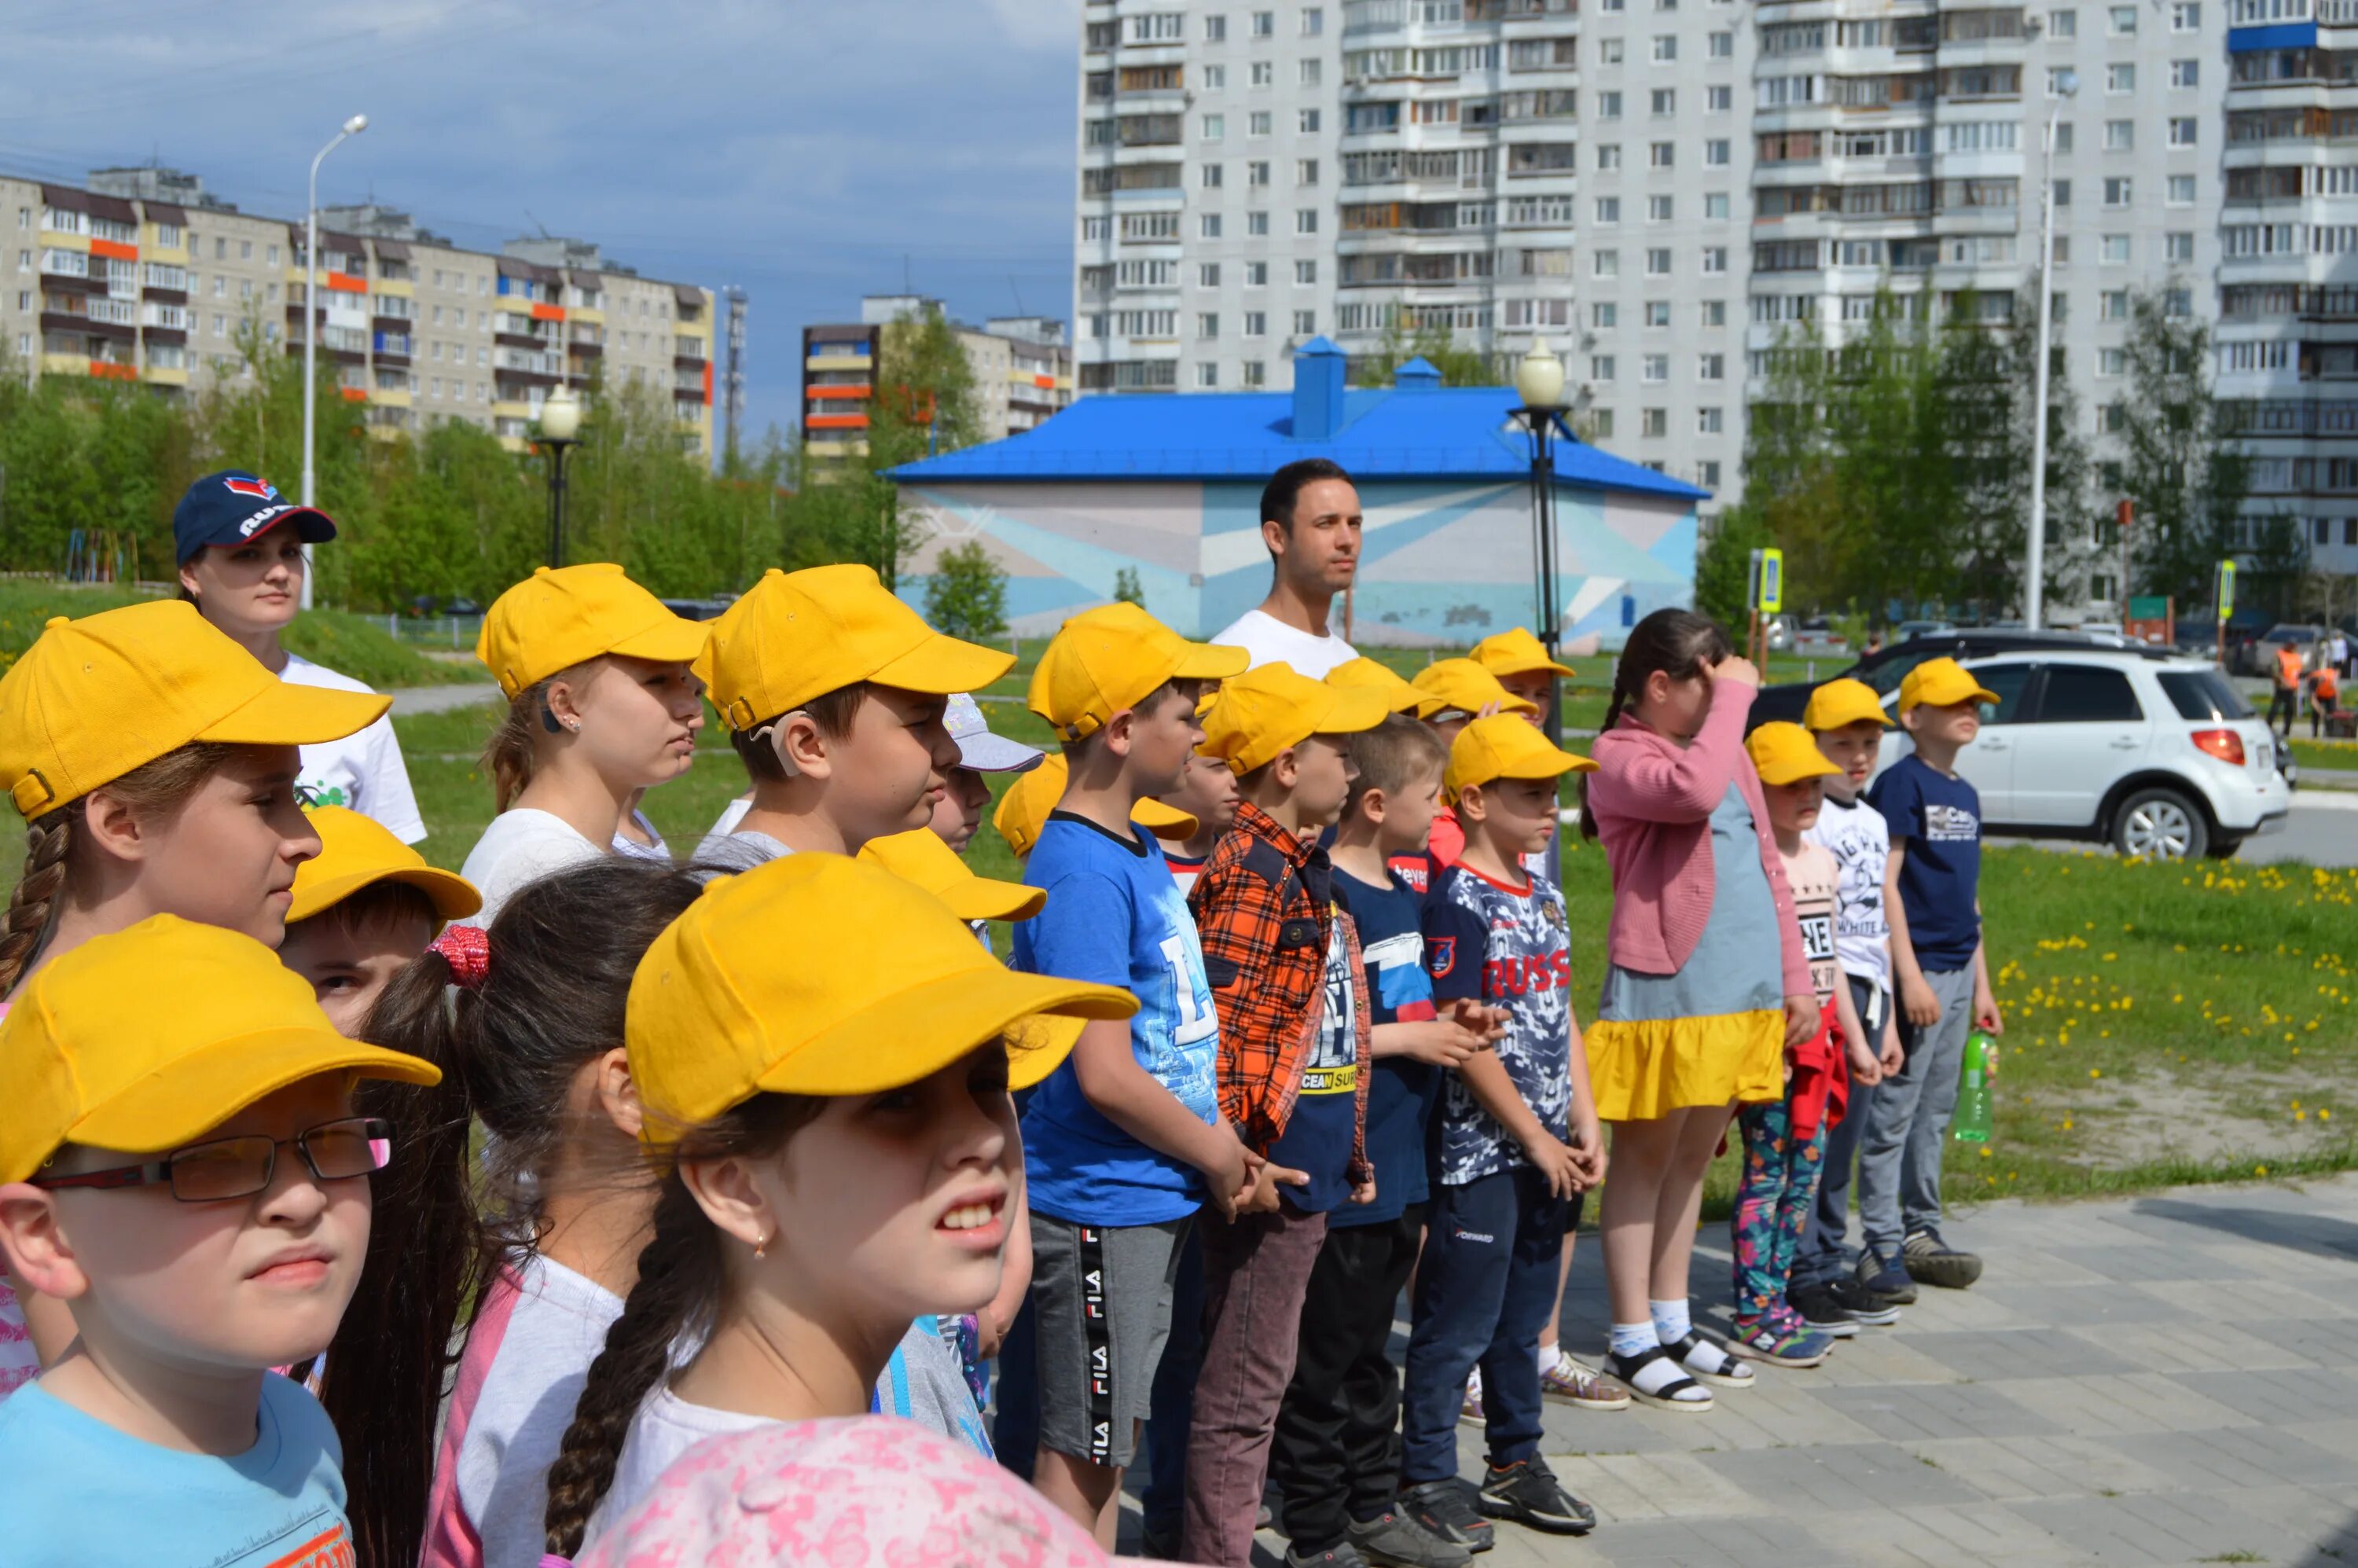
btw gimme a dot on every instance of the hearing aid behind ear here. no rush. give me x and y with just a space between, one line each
549 720
774 731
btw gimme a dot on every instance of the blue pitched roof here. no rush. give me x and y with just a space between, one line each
1386 433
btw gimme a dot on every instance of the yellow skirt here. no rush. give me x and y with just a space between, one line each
1646 1068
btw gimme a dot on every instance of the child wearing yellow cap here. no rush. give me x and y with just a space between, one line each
836 1155
601 704
1784 1139
1524 667
835 695
182 1167
1456 693
1931 892
1845 718
1517 1146
155 763
364 907
1284 962
1125 1142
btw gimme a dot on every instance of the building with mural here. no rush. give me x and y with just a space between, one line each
1168 488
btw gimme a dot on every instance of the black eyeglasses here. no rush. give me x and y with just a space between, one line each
241 1167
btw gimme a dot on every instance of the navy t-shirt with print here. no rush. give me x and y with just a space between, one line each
1403 1091
1510 948
1940 818
1320 1132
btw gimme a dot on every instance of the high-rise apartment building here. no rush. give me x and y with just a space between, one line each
146 276
1659 188
1022 369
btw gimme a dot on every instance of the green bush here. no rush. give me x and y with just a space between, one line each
966 595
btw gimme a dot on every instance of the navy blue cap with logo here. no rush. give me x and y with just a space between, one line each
233 507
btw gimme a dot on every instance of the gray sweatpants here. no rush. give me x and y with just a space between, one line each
1908 1122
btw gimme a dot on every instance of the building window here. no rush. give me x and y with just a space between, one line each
1714 205
2064 139
1657 261
1707 474
1666 49
2116 250
1711 367
1601 368
2122 20
1207 274
1722 46
1207 324
2119 190
2177 248
1314 21
1707 422
1305 172
1605 316
1608 156
1255 373
1660 155
1263 73
1715 260
1714 313
2062 24
1606 264
1256 324
2063 193
2185 73
1654 423
1608 105
1305 121
1658 209
2185 16
1714 153
1216 29
1208 176
1608 52
1306 220
2182 131
1658 313
1307 72
2120 77
1305 323
1718 100
1609 211
1256 172
1264 24
1655 368
1663 102
2181 191
1216 78
2112 363
2114 306
1257 275
1601 424
1207 225
1305 272
1215 128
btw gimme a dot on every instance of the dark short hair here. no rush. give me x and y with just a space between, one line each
1284 489
1392 756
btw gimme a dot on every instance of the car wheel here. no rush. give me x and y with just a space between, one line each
2224 847
2160 825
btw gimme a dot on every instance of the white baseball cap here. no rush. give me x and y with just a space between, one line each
979 746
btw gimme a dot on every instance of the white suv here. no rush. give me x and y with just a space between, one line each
2156 754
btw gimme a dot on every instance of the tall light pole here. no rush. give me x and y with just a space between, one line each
2034 593
1539 382
560 430
352 127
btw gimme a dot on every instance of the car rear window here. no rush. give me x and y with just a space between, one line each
2204 695
2087 694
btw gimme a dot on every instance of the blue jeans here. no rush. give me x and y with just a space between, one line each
1823 1255
1483 1290
1171 1409
1908 1127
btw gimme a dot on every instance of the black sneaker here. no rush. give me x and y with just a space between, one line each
1882 1275
1342 1554
1527 1492
1821 1310
1443 1508
1398 1541
1159 1545
1933 1261
1863 1303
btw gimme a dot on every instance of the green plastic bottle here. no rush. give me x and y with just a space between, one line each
1975 1104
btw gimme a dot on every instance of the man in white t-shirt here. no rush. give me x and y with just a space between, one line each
1310 519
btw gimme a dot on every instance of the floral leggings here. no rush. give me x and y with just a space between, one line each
1772 1203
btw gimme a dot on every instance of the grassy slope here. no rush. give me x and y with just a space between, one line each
355 645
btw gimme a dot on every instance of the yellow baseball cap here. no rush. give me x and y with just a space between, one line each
919 856
149 1037
1516 652
799 635
1784 753
559 616
1113 657
1941 683
357 852
1461 686
769 983
93 699
1023 810
1844 701
1504 747
1270 707
1364 674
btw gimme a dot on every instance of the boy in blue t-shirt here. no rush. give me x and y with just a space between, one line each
1519 1143
1334 1460
1932 894
1124 1142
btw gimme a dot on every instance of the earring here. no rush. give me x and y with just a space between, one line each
574 724
762 1248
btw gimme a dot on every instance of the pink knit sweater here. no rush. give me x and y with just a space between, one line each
1652 800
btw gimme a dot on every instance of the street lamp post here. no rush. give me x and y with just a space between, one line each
352 127
560 430
2034 593
1539 382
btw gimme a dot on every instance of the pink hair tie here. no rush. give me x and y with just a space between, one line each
468 950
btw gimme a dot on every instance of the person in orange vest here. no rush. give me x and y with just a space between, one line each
2287 696
2324 697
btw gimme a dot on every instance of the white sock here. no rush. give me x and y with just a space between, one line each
1635 1339
1546 1354
1671 1322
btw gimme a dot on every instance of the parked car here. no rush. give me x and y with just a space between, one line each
2157 755
2302 638
1883 668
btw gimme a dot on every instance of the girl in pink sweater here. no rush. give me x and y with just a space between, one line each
1706 985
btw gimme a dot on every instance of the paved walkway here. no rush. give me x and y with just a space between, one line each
2164 1379
443 699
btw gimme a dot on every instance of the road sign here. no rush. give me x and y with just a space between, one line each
1769 580
2226 591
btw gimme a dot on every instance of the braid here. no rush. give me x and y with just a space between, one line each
32 906
1612 717
679 1280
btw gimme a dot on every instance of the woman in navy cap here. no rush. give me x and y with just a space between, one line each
240 546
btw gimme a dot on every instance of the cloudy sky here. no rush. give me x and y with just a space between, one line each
809 153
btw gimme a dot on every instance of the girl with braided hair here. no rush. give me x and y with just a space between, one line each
153 762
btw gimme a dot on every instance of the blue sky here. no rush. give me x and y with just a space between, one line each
808 153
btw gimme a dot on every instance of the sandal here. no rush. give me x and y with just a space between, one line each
1693 1347
1655 1376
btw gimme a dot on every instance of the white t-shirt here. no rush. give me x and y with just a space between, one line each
362 772
1855 835
526 1358
522 845
730 815
656 850
1270 640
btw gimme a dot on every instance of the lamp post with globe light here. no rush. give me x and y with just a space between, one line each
311 314
560 430
1539 382
2065 84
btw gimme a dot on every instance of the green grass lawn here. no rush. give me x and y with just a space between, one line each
355 645
2325 756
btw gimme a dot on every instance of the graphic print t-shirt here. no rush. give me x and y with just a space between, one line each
1116 918
362 772
1810 873
1319 1134
1937 820
1402 1094
75 1491
1853 833
1510 948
